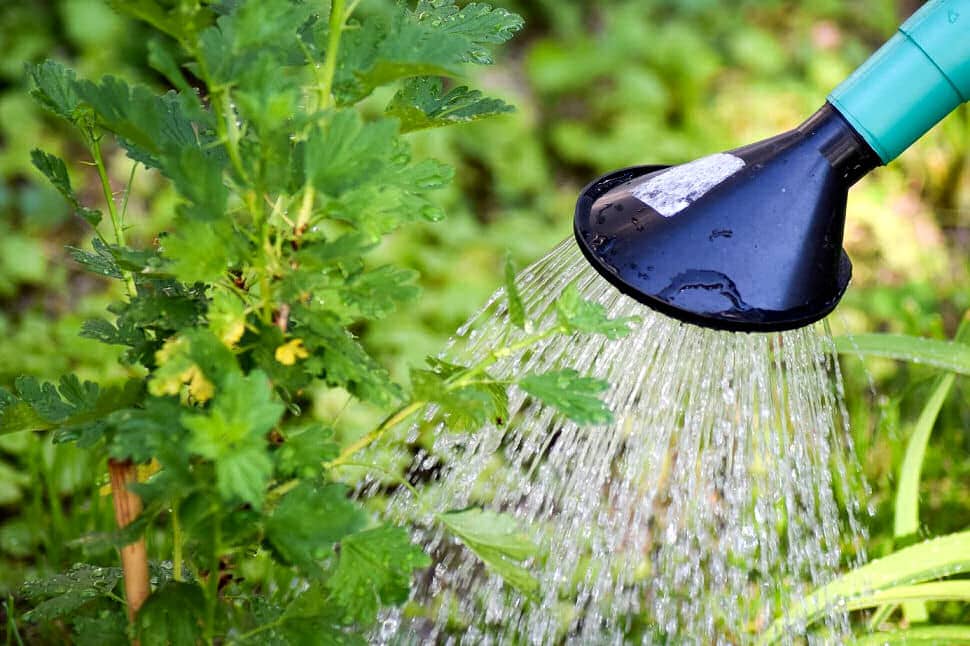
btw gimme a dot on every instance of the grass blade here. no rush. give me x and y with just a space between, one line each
857 588
947 355
906 511
902 594
945 634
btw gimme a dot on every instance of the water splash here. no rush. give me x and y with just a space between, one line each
710 502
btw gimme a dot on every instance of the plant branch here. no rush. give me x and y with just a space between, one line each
369 438
337 19
460 380
112 208
228 131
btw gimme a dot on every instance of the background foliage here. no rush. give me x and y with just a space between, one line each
597 86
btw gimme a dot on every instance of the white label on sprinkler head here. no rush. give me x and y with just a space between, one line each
675 189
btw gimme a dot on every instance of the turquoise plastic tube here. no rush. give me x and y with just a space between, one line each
918 77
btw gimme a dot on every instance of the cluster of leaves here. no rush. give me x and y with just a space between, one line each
249 298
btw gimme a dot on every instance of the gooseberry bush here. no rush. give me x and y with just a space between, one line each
286 178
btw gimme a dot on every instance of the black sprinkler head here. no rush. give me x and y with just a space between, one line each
746 240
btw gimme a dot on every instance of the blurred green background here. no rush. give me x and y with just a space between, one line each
598 86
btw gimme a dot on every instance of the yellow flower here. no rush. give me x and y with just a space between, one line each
232 332
176 368
199 387
289 352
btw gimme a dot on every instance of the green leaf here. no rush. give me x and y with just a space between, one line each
498 541
152 431
103 331
938 635
312 619
162 59
61 594
901 594
55 170
365 172
200 251
349 152
166 307
931 559
153 128
227 316
309 520
946 355
102 262
433 40
173 614
195 358
573 395
374 568
181 25
576 314
54 88
477 23
341 361
233 435
268 23
906 508
304 451
512 296
72 408
378 292
109 628
465 408
420 104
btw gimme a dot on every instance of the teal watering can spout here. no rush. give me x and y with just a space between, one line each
750 240
918 77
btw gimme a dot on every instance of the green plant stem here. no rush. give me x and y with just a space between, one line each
112 208
372 436
124 200
228 131
460 380
306 209
176 545
263 269
337 18
467 377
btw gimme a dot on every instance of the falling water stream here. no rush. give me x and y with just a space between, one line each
721 491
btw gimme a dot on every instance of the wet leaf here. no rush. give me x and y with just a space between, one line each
56 171
498 541
61 594
309 520
374 568
573 395
173 614
576 314
421 104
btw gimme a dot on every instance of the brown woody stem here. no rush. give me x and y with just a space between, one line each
134 558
